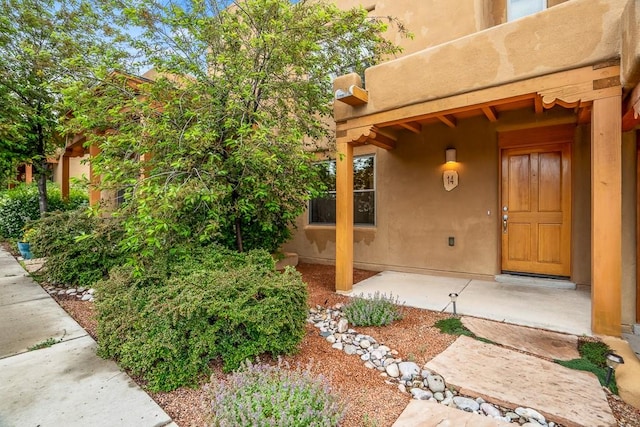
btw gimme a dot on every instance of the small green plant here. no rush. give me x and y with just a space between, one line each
368 421
376 310
592 359
44 344
28 235
454 326
265 395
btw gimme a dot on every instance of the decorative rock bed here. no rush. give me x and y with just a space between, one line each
421 383
82 294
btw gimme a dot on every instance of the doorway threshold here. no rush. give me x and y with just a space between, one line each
542 282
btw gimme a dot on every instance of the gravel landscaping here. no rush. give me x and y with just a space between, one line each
373 400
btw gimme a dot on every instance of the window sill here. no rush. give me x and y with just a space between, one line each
362 227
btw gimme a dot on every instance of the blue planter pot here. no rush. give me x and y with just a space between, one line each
25 250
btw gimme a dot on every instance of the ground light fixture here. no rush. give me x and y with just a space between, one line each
454 297
613 361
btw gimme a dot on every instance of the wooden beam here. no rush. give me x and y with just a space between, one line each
606 216
584 114
354 96
64 184
448 120
414 127
94 179
28 173
637 225
491 113
448 112
344 216
377 138
496 95
537 104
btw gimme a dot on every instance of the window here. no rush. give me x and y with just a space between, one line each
519 8
322 210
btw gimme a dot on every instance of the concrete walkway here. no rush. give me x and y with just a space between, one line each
503 376
560 310
65 384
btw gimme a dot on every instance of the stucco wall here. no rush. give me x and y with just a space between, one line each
77 169
430 21
416 215
630 61
573 34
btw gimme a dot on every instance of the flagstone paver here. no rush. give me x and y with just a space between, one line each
423 413
509 378
547 344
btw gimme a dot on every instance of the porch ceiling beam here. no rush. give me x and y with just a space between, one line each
538 107
584 114
579 80
414 127
491 113
448 120
381 140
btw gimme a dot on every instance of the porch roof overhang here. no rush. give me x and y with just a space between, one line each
573 89
567 55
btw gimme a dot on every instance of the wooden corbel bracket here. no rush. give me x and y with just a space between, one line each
354 96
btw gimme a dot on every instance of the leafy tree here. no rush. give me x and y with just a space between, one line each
44 44
218 146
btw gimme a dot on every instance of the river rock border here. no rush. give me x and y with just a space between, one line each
407 376
83 294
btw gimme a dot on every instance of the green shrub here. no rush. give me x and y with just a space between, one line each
168 324
595 352
263 395
592 359
80 249
20 205
376 310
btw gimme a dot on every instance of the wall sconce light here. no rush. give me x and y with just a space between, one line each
450 176
454 297
450 155
613 361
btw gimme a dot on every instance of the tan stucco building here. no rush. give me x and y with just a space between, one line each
541 110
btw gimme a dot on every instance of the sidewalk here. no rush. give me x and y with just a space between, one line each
65 384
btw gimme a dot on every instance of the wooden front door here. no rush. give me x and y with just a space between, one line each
536 209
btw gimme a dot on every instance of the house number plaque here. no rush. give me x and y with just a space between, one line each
450 179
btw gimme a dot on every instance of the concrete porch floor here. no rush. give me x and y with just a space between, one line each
560 310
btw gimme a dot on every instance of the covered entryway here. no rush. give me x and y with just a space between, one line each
536 200
538 158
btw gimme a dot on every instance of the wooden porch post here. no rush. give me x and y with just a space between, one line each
637 226
94 192
344 216
64 185
606 216
28 173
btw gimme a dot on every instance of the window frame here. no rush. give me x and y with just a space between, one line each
373 190
510 18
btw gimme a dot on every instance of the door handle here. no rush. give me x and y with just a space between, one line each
505 217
